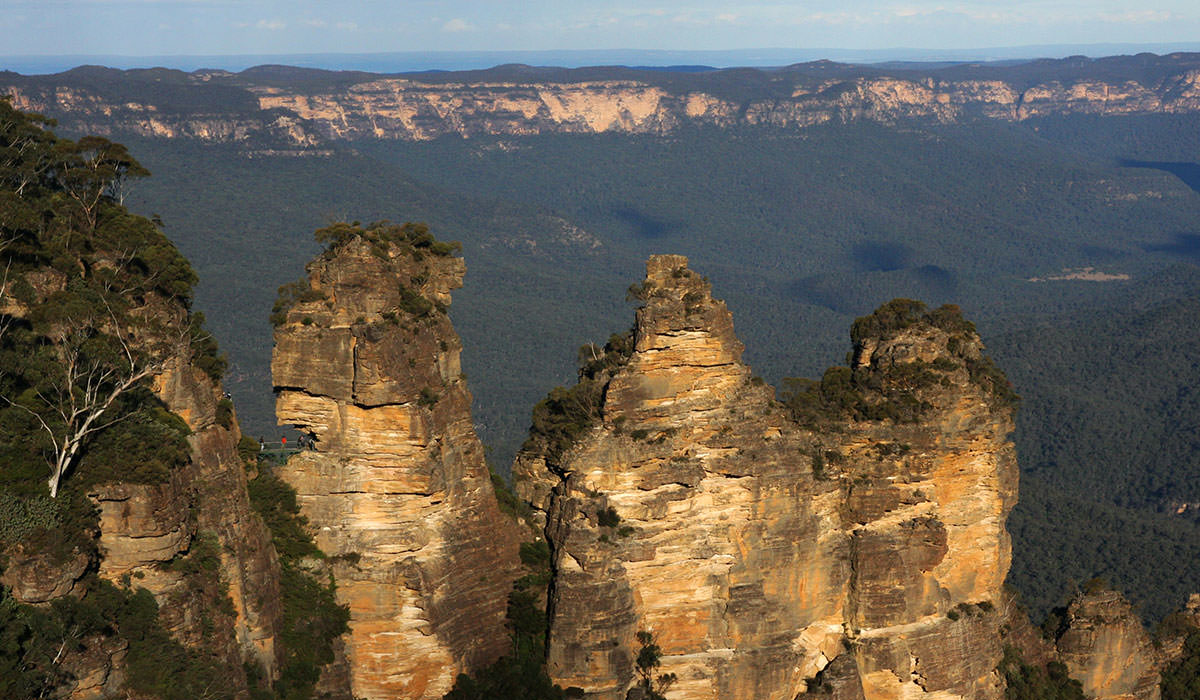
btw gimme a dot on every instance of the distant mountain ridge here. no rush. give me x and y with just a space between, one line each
309 108
410 61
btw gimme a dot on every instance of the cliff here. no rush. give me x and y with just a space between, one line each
153 529
307 109
228 607
396 487
856 549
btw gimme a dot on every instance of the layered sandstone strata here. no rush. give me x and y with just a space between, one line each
1107 649
281 115
770 558
396 488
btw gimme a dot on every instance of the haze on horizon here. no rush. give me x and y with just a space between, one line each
271 27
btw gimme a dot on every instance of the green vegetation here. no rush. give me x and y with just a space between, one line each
1106 453
1181 679
893 392
32 638
410 238
552 227
1026 682
507 500
99 284
653 684
522 672
312 618
607 517
565 414
101 300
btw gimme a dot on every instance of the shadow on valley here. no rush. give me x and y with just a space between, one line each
880 256
850 292
1188 173
643 225
1185 245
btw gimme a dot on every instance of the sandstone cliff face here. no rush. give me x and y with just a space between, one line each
1107 650
396 490
767 558
400 108
133 530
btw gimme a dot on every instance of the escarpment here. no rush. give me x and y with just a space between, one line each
286 111
849 540
1103 644
395 486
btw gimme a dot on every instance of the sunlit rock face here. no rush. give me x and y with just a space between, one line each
1106 648
287 115
396 490
772 557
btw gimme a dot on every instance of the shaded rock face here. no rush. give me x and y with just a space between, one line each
769 559
32 577
396 489
144 527
1107 650
234 613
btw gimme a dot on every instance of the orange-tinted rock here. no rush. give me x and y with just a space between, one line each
1107 650
396 490
757 550
34 577
383 107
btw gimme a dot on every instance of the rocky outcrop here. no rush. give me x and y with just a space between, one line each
33 577
396 488
279 112
202 510
856 551
1107 650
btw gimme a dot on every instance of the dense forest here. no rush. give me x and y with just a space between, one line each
1106 369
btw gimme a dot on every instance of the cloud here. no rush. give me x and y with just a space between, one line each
347 26
316 23
270 25
457 25
1137 16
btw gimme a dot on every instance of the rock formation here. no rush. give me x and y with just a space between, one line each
396 487
856 550
281 112
1106 648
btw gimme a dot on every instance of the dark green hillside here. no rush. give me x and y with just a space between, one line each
1106 439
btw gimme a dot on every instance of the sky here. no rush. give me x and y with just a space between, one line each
224 27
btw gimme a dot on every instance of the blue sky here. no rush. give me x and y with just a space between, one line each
217 27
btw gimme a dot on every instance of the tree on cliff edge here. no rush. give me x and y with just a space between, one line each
93 300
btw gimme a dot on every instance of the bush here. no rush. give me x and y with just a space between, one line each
1026 682
608 517
312 618
1181 679
224 414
